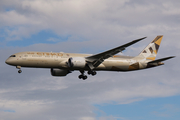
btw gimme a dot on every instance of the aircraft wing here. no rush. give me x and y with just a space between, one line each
95 60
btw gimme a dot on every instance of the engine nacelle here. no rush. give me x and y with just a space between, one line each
77 62
59 72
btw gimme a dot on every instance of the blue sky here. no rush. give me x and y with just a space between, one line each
164 108
89 26
44 36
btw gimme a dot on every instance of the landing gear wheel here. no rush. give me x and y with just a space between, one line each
89 72
84 77
94 73
80 76
19 71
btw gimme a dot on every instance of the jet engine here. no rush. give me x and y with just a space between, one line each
59 72
76 62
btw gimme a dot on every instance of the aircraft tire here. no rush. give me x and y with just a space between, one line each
94 73
84 77
19 71
80 76
89 72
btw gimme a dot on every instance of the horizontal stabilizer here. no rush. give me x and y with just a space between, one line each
162 59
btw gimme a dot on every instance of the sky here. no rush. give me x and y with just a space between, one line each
89 26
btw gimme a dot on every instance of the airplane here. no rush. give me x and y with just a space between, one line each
61 64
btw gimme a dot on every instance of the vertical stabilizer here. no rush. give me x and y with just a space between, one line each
151 50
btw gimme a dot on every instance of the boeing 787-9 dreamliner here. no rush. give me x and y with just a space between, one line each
61 64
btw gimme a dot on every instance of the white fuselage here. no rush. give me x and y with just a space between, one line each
59 60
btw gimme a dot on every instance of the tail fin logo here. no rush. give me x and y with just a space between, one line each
151 50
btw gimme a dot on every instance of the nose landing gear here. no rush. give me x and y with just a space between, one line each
19 67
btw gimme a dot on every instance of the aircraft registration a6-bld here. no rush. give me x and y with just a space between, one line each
62 64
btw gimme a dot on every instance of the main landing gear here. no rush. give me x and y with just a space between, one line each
19 67
84 77
92 73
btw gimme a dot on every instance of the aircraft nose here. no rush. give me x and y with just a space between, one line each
8 61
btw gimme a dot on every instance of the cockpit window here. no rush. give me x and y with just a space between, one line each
13 56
